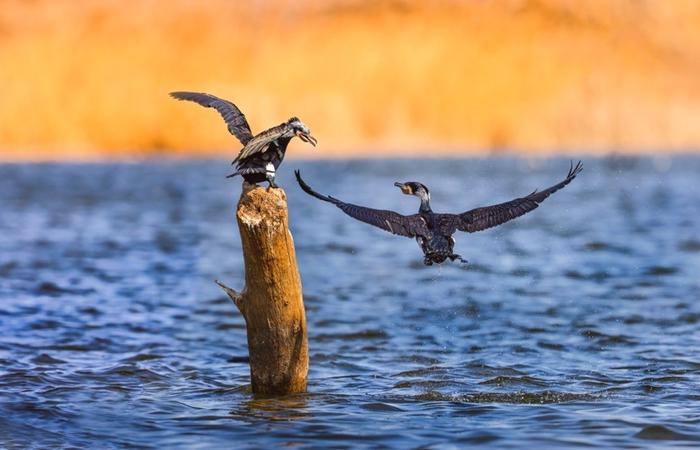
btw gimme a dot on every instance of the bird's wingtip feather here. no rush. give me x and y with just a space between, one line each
574 170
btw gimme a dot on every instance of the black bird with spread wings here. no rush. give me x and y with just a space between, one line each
434 231
263 153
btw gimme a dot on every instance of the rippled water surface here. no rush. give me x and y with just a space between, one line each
576 325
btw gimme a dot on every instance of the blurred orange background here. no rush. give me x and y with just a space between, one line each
85 79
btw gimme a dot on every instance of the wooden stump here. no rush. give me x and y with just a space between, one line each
271 302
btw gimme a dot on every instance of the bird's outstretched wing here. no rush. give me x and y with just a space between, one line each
261 142
234 118
393 222
489 216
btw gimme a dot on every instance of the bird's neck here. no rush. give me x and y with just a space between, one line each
283 142
425 204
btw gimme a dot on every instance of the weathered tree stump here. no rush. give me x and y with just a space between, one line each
271 302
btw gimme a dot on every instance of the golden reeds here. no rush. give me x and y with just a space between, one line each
90 77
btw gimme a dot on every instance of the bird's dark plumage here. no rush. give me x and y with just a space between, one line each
393 222
261 154
434 231
234 118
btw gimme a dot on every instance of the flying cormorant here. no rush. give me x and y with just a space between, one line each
261 154
434 231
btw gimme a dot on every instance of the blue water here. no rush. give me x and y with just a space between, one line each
577 325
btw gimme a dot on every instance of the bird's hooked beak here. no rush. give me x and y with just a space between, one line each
306 137
406 189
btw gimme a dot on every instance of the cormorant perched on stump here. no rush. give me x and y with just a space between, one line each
261 154
434 231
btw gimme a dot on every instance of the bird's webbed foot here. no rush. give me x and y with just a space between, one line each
271 184
458 258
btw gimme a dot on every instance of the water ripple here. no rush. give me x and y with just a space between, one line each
573 326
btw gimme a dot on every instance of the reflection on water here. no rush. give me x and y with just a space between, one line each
575 325
291 407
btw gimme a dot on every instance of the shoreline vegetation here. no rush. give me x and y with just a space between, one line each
88 80
662 159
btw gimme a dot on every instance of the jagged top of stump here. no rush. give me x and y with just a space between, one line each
260 204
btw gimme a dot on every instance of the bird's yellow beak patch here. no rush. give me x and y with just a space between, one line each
405 188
